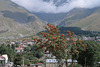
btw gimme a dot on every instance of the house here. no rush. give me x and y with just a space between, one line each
51 63
6 58
97 38
37 65
19 49
88 38
54 62
2 61
69 61
12 42
31 43
48 54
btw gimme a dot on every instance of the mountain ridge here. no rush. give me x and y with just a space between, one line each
17 22
87 19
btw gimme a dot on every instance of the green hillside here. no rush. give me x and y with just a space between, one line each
91 22
87 19
16 22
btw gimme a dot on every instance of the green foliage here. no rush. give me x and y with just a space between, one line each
36 53
35 60
75 65
8 45
26 61
7 50
17 45
91 56
18 59
78 31
13 46
60 46
41 61
31 52
52 41
31 55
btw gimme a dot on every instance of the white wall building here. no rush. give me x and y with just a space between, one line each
6 57
51 61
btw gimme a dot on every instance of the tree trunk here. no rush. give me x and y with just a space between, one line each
72 61
66 63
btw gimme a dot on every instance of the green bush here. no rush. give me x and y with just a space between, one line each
76 65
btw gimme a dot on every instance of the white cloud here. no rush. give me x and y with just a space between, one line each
49 7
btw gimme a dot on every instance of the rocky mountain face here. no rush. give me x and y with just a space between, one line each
16 22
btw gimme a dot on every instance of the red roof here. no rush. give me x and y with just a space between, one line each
2 57
39 63
19 48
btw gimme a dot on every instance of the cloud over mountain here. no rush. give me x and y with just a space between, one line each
50 6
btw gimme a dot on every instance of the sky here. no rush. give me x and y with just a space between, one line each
49 7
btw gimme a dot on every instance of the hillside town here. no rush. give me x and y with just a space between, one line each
48 59
49 33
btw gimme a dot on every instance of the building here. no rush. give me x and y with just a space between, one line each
48 54
97 38
54 62
37 65
19 49
2 61
70 61
51 63
6 58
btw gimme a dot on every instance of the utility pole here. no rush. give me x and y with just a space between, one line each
23 60
85 61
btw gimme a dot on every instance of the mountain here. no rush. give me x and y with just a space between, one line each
87 19
17 22
78 16
52 17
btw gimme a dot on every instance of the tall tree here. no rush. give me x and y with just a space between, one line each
75 46
13 46
92 55
7 50
18 60
53 41
58 44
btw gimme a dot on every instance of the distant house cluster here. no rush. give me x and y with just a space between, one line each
88 38
97 38
20 44
54 62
